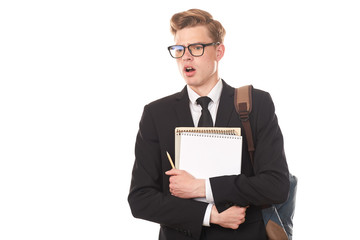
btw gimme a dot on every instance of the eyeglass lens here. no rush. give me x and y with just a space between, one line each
178 51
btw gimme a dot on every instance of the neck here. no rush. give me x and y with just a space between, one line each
204 90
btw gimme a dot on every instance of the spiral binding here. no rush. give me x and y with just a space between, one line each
209 135
231 132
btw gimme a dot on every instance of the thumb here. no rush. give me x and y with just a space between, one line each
172 172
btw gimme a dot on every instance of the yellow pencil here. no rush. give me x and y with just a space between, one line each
170 160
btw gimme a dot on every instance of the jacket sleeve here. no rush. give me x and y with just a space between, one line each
270 184
148 199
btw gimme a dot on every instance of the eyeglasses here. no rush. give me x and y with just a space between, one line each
195 49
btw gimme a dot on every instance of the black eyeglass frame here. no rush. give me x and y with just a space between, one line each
193 44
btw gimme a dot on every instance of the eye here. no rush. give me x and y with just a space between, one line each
196 47
176 51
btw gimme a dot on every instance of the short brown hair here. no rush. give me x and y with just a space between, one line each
197 17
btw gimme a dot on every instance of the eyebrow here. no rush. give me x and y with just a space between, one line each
190 43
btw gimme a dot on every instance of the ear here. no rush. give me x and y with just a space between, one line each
220 51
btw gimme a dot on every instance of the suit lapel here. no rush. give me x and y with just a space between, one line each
183 110
226 106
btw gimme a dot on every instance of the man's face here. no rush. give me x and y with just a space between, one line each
198 72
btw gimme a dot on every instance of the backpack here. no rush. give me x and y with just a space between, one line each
278 218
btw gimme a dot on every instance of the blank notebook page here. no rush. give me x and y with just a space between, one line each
206 155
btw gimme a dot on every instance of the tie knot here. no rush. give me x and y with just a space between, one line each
204 102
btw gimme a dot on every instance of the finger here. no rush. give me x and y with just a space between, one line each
173 172
234 226
174 179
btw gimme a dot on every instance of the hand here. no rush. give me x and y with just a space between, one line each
184 185
230 218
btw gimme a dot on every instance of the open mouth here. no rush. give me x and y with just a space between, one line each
189 69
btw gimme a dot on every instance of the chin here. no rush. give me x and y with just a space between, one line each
192 82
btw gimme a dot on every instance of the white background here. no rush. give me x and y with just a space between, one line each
75 75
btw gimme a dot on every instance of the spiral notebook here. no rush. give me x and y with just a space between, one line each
208 152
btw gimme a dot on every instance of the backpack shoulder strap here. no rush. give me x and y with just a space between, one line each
243 106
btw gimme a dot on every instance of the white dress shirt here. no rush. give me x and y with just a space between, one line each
195 110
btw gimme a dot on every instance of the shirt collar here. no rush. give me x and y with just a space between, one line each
214 94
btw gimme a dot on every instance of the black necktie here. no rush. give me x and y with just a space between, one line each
205 119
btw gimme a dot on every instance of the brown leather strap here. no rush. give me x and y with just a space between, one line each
243 106
275 231
250 141
243 95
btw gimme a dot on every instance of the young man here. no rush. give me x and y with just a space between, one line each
165 196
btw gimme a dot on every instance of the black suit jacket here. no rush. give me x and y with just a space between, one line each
265 183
